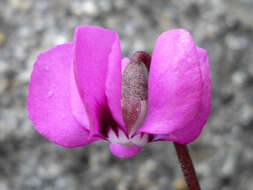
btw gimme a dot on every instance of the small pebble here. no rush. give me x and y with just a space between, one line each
179 184
1 38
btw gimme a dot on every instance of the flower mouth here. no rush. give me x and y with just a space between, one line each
133 105
122 138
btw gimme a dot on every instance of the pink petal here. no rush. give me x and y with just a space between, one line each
77 106
124 63
175 84
49 98
97 67
193 130
124 151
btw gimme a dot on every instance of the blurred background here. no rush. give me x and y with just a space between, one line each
223 154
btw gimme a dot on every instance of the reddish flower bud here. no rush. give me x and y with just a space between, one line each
134 91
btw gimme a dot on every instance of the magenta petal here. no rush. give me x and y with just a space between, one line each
49 98
175 84
97 67
193 130
124 63
124 151
77 106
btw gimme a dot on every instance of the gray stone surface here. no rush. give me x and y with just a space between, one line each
223 155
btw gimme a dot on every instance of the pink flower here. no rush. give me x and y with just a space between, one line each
75 93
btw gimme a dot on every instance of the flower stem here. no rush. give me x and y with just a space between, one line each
187 166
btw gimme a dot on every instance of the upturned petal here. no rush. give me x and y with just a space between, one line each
193 130
175 87
77 105
97 68
48 100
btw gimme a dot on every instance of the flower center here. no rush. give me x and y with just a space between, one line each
121 138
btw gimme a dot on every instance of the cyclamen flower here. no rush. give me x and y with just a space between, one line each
77 94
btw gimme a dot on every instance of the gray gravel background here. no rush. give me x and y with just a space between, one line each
223 155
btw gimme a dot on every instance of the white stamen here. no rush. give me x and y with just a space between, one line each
121 138
112 137
139 139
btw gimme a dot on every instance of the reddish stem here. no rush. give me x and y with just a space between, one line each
187 166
